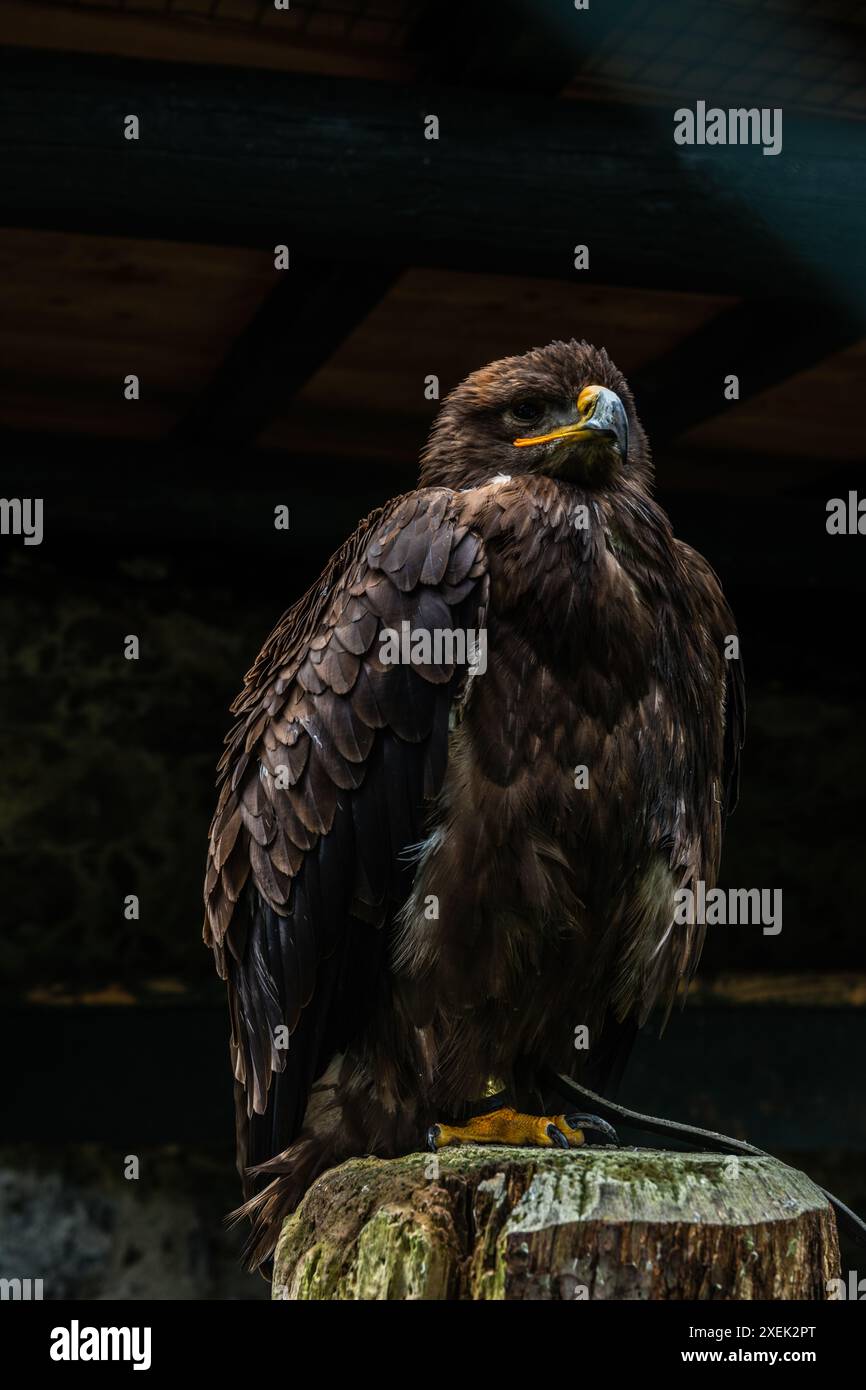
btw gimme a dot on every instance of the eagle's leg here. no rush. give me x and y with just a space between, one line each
508 1126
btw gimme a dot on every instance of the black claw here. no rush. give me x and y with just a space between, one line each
558 1137
432 1136
593 1122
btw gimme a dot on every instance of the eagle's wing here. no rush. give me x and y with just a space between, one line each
324 785
701 750
717 624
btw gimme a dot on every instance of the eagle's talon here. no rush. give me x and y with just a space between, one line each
508 1126
592 1122
556 1136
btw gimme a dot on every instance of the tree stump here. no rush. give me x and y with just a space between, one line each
487 1222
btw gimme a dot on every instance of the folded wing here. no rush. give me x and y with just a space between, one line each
327 780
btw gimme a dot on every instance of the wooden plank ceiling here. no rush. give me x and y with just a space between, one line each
81 312
78 312
806 53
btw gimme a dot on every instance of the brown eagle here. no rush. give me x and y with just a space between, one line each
433 859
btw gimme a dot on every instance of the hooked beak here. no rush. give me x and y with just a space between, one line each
600 412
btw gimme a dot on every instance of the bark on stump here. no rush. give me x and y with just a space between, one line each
500 1223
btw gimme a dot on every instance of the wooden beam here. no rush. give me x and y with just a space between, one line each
761 341
512 184
185 37
297 328
304 320
500 43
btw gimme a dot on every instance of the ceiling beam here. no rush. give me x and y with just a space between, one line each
512 184
305 319
762 342
187 37
509 44
299 326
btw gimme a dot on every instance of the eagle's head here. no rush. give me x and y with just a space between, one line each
563 410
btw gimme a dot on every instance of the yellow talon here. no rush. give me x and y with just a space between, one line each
508 1126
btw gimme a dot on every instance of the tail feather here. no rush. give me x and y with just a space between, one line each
294 1171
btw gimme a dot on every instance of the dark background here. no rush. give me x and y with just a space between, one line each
306 388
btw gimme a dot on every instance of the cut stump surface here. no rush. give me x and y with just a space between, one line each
487 1222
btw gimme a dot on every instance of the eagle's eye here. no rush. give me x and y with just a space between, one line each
527 410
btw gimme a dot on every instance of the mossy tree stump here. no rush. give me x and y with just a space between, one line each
499 1223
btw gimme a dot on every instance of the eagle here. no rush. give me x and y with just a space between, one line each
436 864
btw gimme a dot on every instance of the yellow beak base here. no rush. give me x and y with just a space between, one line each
578 431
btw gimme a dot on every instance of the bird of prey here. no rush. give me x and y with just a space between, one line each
430 873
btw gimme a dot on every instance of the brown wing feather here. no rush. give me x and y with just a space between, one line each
700 752
323 786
